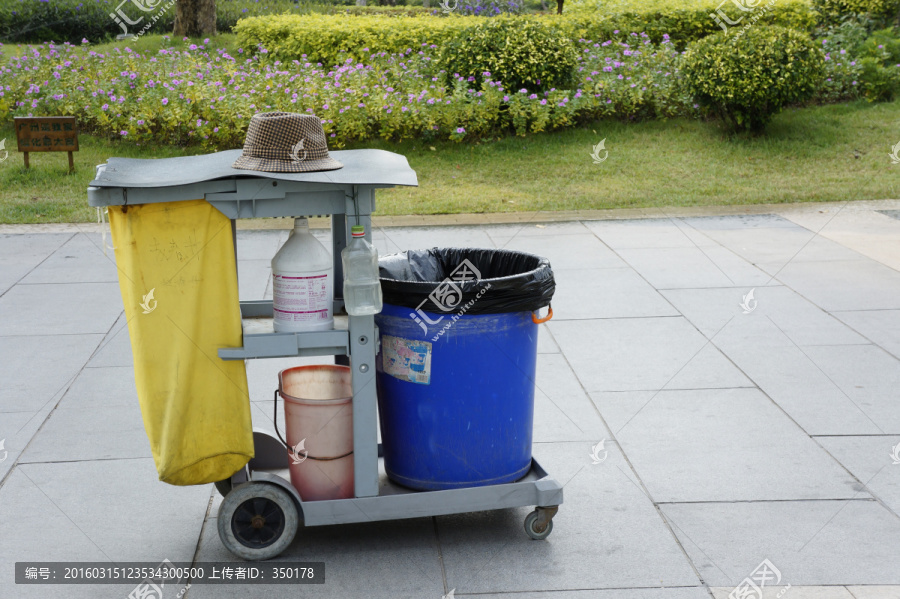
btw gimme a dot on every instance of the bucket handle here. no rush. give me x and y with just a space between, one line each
537 320
275 422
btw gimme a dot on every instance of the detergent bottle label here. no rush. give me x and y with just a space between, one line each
301 299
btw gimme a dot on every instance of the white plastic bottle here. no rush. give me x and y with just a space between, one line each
303 283
362 288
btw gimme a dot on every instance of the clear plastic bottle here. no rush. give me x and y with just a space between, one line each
362 287
303 283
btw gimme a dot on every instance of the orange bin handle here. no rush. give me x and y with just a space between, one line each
537 320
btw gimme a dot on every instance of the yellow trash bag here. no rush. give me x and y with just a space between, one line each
179 284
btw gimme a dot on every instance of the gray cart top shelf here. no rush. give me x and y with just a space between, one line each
129 181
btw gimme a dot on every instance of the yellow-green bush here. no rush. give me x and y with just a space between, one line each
681 23
747 80
833 11
330 39
517 51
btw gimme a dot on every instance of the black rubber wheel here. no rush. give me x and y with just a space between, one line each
531 522
257 521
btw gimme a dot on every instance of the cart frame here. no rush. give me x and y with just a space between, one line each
349 198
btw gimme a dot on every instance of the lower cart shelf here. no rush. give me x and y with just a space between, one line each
262 512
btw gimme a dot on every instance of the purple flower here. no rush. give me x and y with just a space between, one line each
165 101
460 130
123 133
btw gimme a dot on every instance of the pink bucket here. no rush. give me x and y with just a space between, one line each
318 412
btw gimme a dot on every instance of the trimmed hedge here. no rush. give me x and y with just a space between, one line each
683 25
331 39
747 80
74 20
832 11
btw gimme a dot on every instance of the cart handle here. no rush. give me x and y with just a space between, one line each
537 320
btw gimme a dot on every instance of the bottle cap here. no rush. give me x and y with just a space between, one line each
358 230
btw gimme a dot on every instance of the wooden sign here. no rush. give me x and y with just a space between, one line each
47 134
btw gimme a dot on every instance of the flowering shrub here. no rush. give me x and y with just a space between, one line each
860 66
198 96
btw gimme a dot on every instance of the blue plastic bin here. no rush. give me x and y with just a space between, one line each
456 407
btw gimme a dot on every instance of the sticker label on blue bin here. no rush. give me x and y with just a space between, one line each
406 359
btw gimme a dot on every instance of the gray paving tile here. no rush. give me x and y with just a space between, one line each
606 293
870 459
803 322
16 430
253 278
115 349
35 369
75 432
810 542
738 221
21 253
693 446
842 284
880 326
417 238
709 369
570 251
777 591
378 559
692 267
777 247
259 245
109 386
648 233
79 260
64 309
535 228
562 410
607 534
876 591
868 375
697 592
95 511
804 388
635 354
546 344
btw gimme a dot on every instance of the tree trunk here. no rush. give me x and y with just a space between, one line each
559 4
195 18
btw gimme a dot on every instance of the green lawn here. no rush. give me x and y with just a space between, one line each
826 153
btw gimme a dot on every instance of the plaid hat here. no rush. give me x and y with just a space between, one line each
285 142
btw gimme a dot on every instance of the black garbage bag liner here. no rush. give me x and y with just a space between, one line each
446 279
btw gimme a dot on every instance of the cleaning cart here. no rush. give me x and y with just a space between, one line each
261 511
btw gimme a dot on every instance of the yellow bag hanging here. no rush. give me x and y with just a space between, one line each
179 284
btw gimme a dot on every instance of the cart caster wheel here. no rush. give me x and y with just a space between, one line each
539 523
223 486
257 521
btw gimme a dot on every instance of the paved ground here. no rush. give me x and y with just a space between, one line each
731 436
